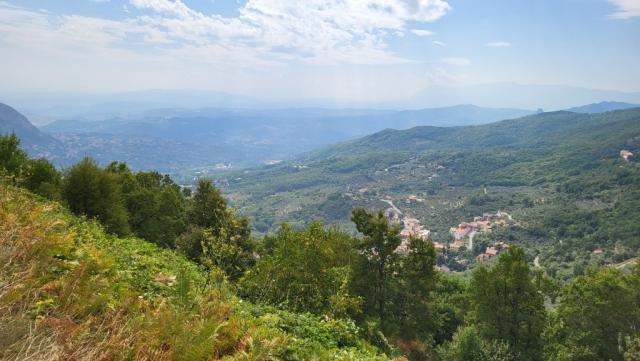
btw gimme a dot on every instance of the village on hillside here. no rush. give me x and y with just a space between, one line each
464 233
462 236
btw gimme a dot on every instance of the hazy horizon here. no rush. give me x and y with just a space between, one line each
45 107
394 54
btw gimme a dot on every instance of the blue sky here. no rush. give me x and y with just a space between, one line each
317 49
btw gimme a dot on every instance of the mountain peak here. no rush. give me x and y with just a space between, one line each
12 121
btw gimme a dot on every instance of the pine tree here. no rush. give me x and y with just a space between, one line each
209 208
377 262
507 306
225 239
416 282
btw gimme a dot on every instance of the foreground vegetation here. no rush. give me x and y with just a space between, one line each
70 291
144 270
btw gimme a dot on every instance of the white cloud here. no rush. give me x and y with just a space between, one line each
498 44
626 9
422 32
164 43
164 6
439 43
314 31
456 61
265 31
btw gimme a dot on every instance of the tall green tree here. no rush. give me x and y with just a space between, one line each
155 204
171 212
598 317
209 208
37 175
378 261
451 305
307 271
217 236
506 305
415 308
91 191
42 178
12 159
397 287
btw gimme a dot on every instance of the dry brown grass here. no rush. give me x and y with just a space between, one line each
57 303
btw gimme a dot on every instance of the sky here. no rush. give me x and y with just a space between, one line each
358 50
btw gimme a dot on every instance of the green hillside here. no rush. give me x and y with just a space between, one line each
69 291
534 132
145 270
559 174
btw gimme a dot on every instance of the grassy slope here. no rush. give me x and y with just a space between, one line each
69 291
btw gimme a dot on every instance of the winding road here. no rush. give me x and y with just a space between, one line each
536 261
390 203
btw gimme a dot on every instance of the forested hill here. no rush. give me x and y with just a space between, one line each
602 107
176 140
534 131
562 175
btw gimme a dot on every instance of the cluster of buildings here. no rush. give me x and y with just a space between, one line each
463 234
414 199
492 251
411 228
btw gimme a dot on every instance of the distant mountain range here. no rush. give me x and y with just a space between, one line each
603 107
243 137
349 122
42 108
514 95
172 140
